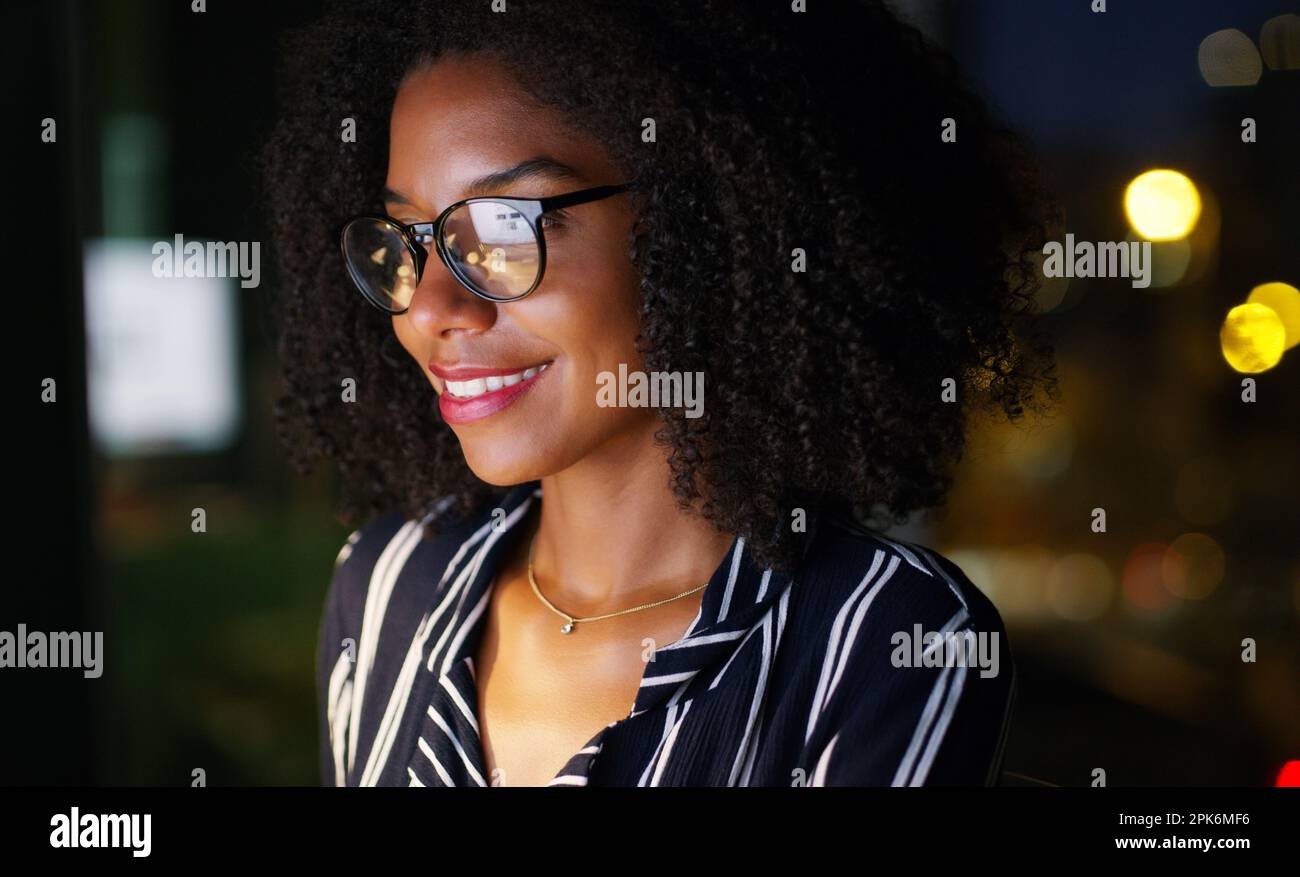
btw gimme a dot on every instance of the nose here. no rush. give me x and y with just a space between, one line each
442 307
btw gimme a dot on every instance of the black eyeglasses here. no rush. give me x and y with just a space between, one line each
493 246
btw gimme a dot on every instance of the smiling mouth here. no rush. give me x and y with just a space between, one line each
475 387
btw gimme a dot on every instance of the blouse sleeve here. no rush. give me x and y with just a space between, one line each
924 697
336 664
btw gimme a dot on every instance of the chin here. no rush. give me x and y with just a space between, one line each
506 463
503 473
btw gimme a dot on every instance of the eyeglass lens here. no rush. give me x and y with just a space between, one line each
380 263
490 245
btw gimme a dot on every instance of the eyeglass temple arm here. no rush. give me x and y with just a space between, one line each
583 196
425 229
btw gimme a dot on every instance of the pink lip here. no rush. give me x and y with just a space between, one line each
456 410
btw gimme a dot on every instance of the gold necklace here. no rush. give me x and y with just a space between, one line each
570 621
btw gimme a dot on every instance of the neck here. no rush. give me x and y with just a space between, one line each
611 533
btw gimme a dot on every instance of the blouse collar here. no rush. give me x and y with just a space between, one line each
738 596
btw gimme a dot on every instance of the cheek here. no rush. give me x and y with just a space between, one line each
588 309
590 320
613 288
600 338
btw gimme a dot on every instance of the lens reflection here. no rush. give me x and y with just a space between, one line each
380 263
493 246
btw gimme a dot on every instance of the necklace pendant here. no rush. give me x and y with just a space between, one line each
568 627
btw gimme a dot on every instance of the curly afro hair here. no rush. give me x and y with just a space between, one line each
776 131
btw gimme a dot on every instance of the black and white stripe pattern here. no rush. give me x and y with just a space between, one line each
779 680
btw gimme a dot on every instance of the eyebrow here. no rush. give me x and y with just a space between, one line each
539 167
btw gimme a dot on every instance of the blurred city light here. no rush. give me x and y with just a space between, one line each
1284 300
163 355
1143 579
1252 338
1080 586
1229 57
1162 205
1279 42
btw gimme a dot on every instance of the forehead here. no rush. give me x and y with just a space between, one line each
464 117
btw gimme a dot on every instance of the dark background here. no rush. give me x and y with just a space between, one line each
210 637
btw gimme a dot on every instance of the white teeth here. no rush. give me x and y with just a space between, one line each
479 386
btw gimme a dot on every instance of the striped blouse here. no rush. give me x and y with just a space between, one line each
876 662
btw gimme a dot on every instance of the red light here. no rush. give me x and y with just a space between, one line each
1289 775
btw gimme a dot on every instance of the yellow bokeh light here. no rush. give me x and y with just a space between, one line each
1252 338
1162 205
1284 299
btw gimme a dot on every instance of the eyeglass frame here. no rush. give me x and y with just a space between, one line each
417 234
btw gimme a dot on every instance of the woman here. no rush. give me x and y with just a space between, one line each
614 456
